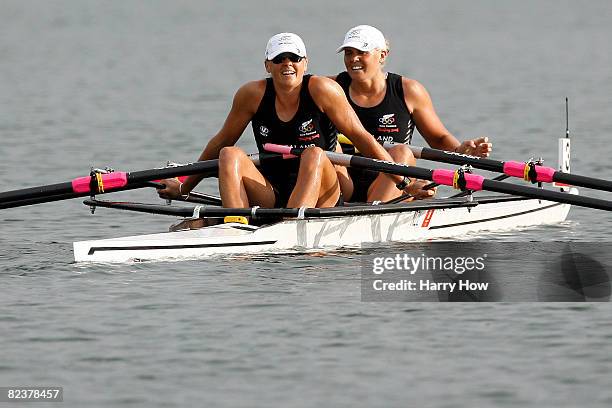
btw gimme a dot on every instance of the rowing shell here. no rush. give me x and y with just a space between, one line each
445 219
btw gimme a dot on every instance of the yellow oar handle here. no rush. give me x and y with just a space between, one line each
344 140
236 218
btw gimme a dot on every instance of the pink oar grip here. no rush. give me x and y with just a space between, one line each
447 178
443 177
545 174
514 169
81 184
474 181
517 169
274 148
109 181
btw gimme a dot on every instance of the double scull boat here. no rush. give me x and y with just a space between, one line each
330 228
304 229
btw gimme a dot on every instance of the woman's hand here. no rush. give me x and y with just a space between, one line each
476 147
172 190
415 189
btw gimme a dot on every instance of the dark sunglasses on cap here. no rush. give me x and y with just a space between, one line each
281 57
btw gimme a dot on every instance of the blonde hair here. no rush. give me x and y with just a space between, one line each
387 50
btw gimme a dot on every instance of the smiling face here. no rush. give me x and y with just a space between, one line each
362 65
287 69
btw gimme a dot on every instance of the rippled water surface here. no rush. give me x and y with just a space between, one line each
133 84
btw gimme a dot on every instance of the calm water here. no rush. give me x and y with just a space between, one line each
133 84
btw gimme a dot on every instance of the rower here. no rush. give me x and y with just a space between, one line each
389 106
289 108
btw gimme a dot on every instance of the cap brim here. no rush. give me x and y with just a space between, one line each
357 45
284 50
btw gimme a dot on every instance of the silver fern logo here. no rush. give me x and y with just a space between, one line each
387 119
307 126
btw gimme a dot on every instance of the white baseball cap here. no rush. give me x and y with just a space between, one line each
285 42
364 38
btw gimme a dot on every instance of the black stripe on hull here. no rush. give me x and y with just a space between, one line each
501 217
93 250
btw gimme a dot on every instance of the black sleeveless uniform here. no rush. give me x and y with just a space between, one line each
309 127
389 121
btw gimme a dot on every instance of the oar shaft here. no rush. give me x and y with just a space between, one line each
582 181
59 197
110 182
116 181
184 211
201 198
207 168
457 158
34 192
455 179
379 165
256 212
476 182
549 195
512 168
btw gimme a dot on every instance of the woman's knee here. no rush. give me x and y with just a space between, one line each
230 154
313 157
230 159
313 151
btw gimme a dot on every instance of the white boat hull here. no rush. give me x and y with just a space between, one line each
324 233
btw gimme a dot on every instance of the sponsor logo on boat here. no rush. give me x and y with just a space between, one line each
427 219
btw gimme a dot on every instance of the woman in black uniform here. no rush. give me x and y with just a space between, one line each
389 107
288 108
